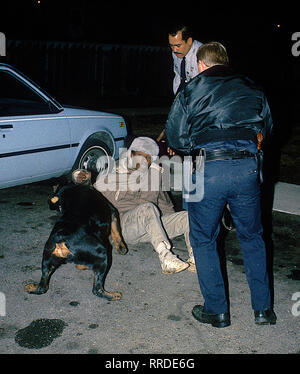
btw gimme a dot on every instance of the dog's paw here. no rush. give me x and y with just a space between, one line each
30 287
121 248
112 296
34 288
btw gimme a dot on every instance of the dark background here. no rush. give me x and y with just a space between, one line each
257 36
145 22
249 27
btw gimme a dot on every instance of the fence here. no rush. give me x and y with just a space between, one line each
94 70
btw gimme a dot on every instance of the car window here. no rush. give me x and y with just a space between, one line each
16 98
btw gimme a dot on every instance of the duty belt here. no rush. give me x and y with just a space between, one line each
222 154
201 156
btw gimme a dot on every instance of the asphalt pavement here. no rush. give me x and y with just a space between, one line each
154 315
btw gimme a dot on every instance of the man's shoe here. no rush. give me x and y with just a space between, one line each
171 264
265 317
216 320
192 266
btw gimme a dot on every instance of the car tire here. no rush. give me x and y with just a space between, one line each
88 156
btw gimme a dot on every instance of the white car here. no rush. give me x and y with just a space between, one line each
41 139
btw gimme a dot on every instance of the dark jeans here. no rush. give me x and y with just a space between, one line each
234 182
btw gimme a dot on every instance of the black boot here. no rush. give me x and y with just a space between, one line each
216 320
265 317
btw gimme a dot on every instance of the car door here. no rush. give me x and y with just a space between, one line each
34 133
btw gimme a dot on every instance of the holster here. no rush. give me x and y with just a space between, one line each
260 158
199 162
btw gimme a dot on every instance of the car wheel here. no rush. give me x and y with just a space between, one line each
94 156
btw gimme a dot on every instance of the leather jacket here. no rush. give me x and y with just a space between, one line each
217 105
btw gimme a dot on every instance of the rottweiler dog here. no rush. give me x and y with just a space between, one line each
81 235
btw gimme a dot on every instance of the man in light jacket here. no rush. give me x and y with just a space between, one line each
146 212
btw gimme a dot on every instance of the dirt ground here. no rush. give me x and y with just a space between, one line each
70 319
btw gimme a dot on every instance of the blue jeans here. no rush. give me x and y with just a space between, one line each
234 182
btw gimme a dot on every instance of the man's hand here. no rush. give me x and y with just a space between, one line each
170 151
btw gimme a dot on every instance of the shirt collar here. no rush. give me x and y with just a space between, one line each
191 51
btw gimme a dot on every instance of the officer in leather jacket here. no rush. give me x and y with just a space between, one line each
220 119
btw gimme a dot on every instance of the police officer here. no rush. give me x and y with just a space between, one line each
220 118
184 49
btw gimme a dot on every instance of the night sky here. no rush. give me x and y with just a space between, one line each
144 22
257 34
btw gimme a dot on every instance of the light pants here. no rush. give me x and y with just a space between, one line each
145 224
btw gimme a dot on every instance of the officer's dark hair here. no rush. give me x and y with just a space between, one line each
212 53
185 31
